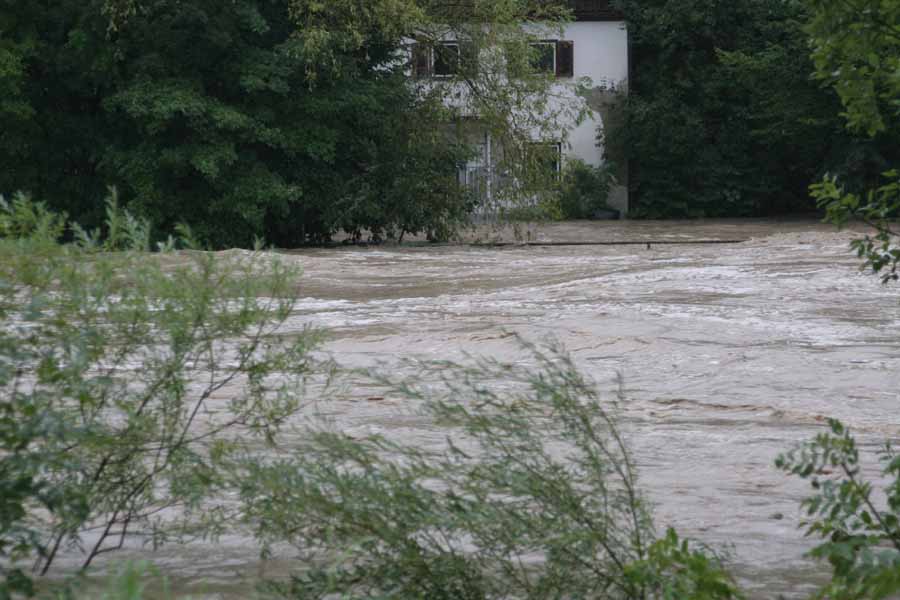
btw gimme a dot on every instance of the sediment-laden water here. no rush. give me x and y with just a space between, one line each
730 354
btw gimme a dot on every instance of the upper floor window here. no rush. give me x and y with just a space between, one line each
443 59
543 57
554 57
446 59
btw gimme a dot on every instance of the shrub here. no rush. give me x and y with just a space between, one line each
585 189
110 363
722 118
532 495
860 535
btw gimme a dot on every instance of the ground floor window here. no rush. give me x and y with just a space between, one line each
548 158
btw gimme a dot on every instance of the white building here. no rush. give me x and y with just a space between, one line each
593 48
600 51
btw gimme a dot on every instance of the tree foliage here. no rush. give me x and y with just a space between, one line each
585 189
860 534
111 361
722 117
210 114
287 120
856 47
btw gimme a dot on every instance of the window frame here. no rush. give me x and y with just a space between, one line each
554 51
557 146
455 69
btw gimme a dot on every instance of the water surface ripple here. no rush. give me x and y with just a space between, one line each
730 353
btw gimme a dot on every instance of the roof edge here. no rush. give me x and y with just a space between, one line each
594 10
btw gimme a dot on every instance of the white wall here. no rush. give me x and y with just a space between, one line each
601 53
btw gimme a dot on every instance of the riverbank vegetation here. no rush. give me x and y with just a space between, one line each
723 117
110 359
288 120
532 494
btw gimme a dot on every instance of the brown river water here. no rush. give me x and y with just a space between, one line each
730 354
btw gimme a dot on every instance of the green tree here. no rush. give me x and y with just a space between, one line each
856 48
722 117
226 117
287 120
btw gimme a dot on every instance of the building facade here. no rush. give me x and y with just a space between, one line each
592 49
600 53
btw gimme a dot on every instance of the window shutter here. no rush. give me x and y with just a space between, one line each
565 59
421 61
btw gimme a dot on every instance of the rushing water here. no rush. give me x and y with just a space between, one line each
729 353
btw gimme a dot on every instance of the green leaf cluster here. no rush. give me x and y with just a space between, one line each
113 364
722 117
585 189
877 208
856 48
860 534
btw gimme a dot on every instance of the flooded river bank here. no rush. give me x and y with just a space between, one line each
730 354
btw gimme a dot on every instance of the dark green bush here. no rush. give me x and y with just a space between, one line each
723 118
859 533
585 189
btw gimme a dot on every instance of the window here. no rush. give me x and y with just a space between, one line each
421 61
543 57
443 59
556 57
548 158
446 59
565 58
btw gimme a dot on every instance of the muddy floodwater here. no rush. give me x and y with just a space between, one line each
729 354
